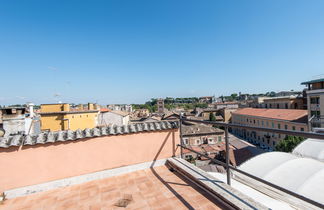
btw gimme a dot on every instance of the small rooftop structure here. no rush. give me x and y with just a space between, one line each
313 81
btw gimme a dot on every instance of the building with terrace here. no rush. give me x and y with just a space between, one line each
136 166
315 103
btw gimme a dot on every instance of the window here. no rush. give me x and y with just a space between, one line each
186 141
188 156
262 123
268 141
315 100
205 141
286 127
198 141
302 129
286 105
279 135
278 106
272 124
267 124
219 138
294 128
315 113
254 121
279 126
273 143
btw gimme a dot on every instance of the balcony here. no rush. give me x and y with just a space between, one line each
315 107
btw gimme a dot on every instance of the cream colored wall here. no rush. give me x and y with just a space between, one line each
192 141
43 163
205 115
267 123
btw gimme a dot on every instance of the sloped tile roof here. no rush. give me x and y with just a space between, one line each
69 135
200 129
281 114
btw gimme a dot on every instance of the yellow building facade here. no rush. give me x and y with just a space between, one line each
56 117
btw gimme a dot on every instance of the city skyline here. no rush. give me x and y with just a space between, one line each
128 52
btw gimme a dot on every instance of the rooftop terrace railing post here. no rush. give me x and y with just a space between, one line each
228 172
180 130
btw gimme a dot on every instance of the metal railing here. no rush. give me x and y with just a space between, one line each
227 164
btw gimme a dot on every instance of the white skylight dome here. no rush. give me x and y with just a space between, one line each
304 176
312 148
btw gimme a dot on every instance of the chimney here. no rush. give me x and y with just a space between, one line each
90 106
66 107
31 110
80 106
96 106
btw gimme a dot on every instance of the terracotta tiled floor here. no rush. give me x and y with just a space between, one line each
156 188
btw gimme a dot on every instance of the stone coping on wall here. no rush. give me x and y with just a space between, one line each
69 135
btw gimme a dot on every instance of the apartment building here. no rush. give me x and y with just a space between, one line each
288 119
315 103
202 138
56 117
284 102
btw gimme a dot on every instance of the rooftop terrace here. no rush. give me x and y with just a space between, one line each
115 167
152 188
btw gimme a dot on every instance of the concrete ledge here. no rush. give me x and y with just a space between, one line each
220 190
81 179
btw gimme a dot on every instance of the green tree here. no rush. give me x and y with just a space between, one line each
201 105
288 143
212 117
234 95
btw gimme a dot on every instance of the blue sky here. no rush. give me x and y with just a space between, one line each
128 51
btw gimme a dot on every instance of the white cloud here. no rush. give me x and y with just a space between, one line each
52 68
